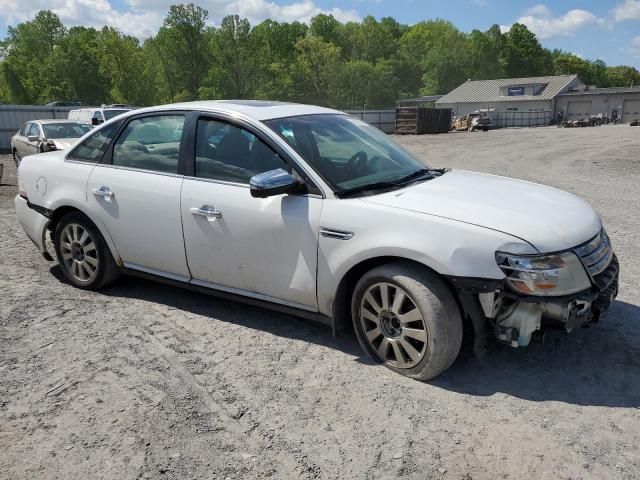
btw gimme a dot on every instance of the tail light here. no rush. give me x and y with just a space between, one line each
21 191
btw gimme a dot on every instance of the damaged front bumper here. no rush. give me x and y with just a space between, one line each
520 316
515 317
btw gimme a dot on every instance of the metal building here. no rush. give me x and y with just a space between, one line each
622 103
511 102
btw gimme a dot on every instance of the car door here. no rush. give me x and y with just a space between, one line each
33 146
20 138
263 247
135 192
23 145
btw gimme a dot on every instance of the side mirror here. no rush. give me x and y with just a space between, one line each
95 121
273 182
33 138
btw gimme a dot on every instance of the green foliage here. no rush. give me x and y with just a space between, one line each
365 64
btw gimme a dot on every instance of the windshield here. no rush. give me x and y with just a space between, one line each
348 153
109 114
65 130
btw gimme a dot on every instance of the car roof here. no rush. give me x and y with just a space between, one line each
53 120
257 109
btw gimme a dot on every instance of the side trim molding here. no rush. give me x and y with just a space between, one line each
336 234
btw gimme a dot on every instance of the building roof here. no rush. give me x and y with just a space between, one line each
604 91
256 109
425 99
473 91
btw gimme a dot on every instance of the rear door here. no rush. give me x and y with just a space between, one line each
135 192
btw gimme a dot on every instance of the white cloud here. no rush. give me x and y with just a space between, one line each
541 21
629 10
634 49
539 10
257 10
142 18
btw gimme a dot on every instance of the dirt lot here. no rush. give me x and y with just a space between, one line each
145 381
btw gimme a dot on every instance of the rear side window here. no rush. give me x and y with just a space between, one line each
92 149
150 143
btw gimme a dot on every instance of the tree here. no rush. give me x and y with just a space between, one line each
236 60
523 56
28 57
314 70
183 44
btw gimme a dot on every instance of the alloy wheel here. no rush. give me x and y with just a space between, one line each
393 325
79 252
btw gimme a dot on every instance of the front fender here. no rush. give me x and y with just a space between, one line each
446 246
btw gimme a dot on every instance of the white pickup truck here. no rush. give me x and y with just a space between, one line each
310 211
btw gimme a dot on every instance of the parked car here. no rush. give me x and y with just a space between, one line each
472 122
39 136
96 116
64 103
310 211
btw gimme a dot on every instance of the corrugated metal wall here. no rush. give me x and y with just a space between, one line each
384 120
600 103
12 117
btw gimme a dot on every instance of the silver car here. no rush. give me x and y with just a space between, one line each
39 136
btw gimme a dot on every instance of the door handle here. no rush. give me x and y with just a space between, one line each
207 211
103 192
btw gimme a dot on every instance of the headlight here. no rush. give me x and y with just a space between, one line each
544 275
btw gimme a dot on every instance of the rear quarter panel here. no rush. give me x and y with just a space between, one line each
52 182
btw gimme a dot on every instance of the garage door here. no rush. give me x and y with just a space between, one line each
630 111
577 110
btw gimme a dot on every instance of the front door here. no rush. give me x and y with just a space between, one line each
267 247
137 195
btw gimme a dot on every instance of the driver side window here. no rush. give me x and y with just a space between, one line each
232 154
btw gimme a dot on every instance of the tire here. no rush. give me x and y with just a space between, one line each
424 328
16 158
85 260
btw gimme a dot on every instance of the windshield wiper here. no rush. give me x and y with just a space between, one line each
422 174
350 192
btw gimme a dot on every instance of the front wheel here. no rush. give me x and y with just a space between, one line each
406 318
16 158
83 255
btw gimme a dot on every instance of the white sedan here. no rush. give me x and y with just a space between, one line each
310 211
39 136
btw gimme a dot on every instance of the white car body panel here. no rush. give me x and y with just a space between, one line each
33 223
446 246
273 248
143 217
261 245
66 186
539 214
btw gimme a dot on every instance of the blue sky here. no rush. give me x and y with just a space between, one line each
605 29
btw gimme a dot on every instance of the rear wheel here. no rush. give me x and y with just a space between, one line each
406 318
83 255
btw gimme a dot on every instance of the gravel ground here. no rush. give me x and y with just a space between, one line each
145 381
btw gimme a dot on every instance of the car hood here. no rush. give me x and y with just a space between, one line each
63 143
549 219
